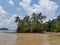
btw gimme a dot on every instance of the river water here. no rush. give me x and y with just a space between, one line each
29 39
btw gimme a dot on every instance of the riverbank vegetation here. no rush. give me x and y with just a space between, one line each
35 24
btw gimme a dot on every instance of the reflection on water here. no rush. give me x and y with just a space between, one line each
29 39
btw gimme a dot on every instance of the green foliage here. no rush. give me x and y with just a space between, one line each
58 24
34 24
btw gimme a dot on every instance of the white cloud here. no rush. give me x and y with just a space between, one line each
47 7
25 3
11 2
2 12
10 21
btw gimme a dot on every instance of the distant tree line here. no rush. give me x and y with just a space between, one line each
34 24
3 28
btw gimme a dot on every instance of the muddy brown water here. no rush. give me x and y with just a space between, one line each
29 39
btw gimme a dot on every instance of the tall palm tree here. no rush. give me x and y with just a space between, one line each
18 23
27 22
58 23
17 19
37 20
41 17
34 18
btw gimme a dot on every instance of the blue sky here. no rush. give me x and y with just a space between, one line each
9 9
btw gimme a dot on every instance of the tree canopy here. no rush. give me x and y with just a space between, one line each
34 24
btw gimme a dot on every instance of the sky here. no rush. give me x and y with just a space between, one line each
9 9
